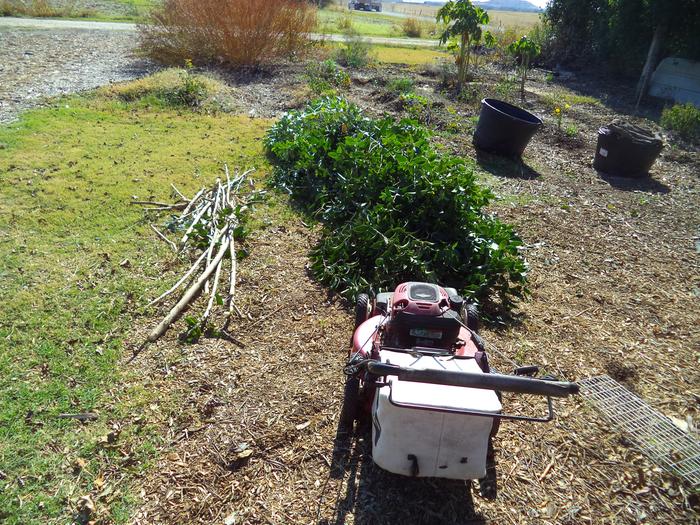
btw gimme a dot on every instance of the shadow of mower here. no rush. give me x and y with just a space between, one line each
375 496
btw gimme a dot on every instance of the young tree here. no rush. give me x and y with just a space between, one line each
463 20
524 50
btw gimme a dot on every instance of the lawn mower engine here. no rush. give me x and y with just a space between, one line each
419 373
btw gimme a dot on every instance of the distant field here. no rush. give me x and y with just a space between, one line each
411 9
507 19
339 20
498 18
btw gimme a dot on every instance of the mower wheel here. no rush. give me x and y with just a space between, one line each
361 309
470 316
348 412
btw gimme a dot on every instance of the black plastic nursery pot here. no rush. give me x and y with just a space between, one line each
626 150
504 129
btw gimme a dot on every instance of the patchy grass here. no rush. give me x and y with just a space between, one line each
174 88
77 264
411 56
561 97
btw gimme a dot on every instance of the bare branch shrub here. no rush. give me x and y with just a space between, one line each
235 32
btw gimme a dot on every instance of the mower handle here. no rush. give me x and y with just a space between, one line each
500 382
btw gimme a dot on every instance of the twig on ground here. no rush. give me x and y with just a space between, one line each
170 243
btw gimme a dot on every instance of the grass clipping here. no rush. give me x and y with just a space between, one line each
393 208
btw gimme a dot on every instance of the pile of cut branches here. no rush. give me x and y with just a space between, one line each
209 227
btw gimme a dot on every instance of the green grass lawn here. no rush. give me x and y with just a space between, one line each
412 56
112 11
77 264
337 21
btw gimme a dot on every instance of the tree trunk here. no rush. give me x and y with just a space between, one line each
652 60
462 60
525 64
469 53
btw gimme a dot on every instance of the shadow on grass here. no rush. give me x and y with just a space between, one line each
375 496
512 168
614 92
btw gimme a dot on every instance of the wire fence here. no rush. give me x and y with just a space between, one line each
652 432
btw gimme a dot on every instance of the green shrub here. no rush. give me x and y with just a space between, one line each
326 76
400 86
354 52
506 88
418 107
191 91
393 208
345 22
683 120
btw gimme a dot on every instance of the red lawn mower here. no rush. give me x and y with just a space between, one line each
418 371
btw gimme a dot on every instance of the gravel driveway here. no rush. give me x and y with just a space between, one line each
45 58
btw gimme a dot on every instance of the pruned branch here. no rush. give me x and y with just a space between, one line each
207 225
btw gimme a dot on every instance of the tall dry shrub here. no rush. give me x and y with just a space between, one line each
412 28
236 32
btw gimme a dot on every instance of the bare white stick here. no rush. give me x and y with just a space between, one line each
182 279
214 287
194 199
232 279
228 184
179 193
163 205
188 297
213 223
191 227
170 243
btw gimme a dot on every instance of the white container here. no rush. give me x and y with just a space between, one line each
424 421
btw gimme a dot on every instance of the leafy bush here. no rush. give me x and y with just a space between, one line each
418 107
463 23
606 33
354 52
506 88
524 50
682 119
326 76
393 208
237 32
400 86
412 28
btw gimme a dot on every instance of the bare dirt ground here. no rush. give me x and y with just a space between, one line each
39 63
615 289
